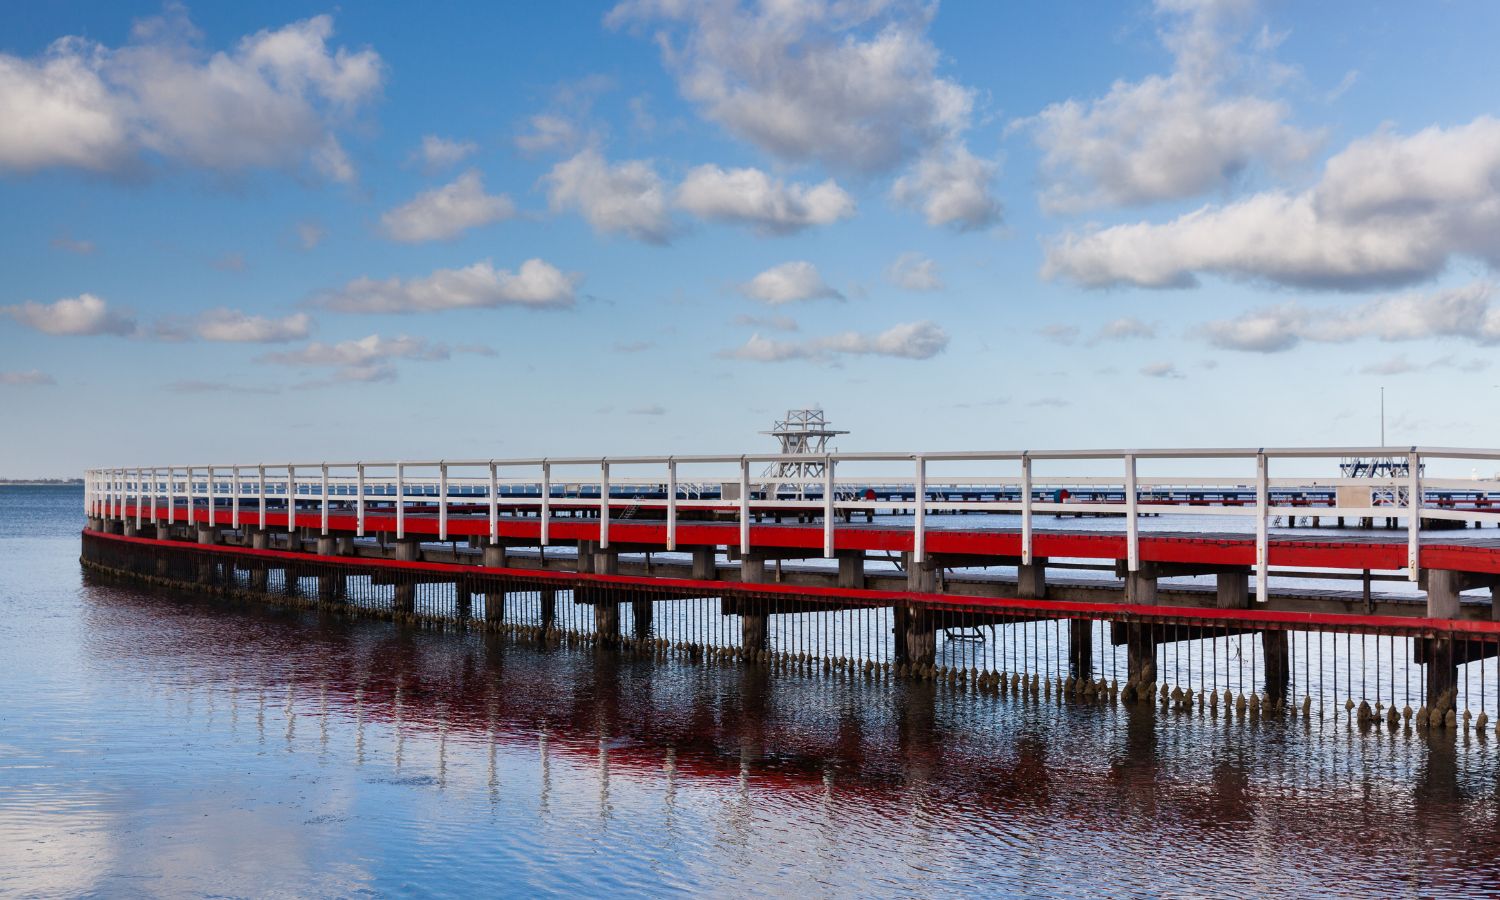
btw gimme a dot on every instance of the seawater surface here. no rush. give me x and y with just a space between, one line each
160 744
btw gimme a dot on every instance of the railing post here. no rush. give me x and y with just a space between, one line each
744 504
604 503
155 486
494 504
442 500
291 499
1262 514
1413 514
919 513
211 498
140 499
323 524
260 477
234 498
171 495
1025 509
400 500
1132 523
828 510
546 508
671 504
359 501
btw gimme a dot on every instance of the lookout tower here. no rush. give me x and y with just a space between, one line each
804 432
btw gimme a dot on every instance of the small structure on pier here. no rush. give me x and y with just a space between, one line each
804 432
1377 468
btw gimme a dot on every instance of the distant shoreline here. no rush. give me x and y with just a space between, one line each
41 482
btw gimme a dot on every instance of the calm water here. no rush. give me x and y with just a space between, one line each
163 745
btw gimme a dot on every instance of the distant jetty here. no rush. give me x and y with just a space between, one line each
40 482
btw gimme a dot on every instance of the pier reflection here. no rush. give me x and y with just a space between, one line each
868 774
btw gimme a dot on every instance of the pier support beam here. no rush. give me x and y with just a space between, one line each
1031 579
921 577
641 614
920 638
407 550
494 606
606 617
463 600
1140 659
606 560
1278 665
406 597
705 565
494 556
851 569
1140 587
549 608
754 628
1233 591
1081 647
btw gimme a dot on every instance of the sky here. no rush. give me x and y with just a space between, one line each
238 233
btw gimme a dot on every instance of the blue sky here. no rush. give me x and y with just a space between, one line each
290 230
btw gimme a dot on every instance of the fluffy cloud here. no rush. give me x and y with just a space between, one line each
951 187
370 358
1465 313
439 152
536 284
751 197
914 272
854 86
911 340
627 198
789 283
1125 328
310 234
1160 370
1173 136
1388 210
67 242
84 314
775 323
273 100
30 378
446 212
548 132
233 326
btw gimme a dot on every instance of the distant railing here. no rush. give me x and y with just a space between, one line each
529 486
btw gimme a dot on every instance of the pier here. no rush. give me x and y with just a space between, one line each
1030 573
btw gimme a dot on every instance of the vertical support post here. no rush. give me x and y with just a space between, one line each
323 523
291 499
1025 509
442 500
546 499
671 504
155 486
140 499
828 510
234 498
1413 514
359 500
604 503
1262 514
1132 522
211 497
400 500
260 477
744 504
919 525
494 505
171 495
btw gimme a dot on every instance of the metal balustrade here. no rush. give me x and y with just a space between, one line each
531 486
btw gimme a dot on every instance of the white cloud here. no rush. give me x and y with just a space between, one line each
1125 328
789 283
199 386
775 323
851 85
549 132
911 340
751 197
439 152
951 187
1174 136
310 234
66 242
229 262
626 198
1464 313
234 326
30 378
654 409
446 212
273 100
915 272
1388 210
84 314
1059 333
371 358
1160 370
536 284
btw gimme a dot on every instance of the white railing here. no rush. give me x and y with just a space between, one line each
531 486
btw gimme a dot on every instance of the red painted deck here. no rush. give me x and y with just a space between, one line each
1372 551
